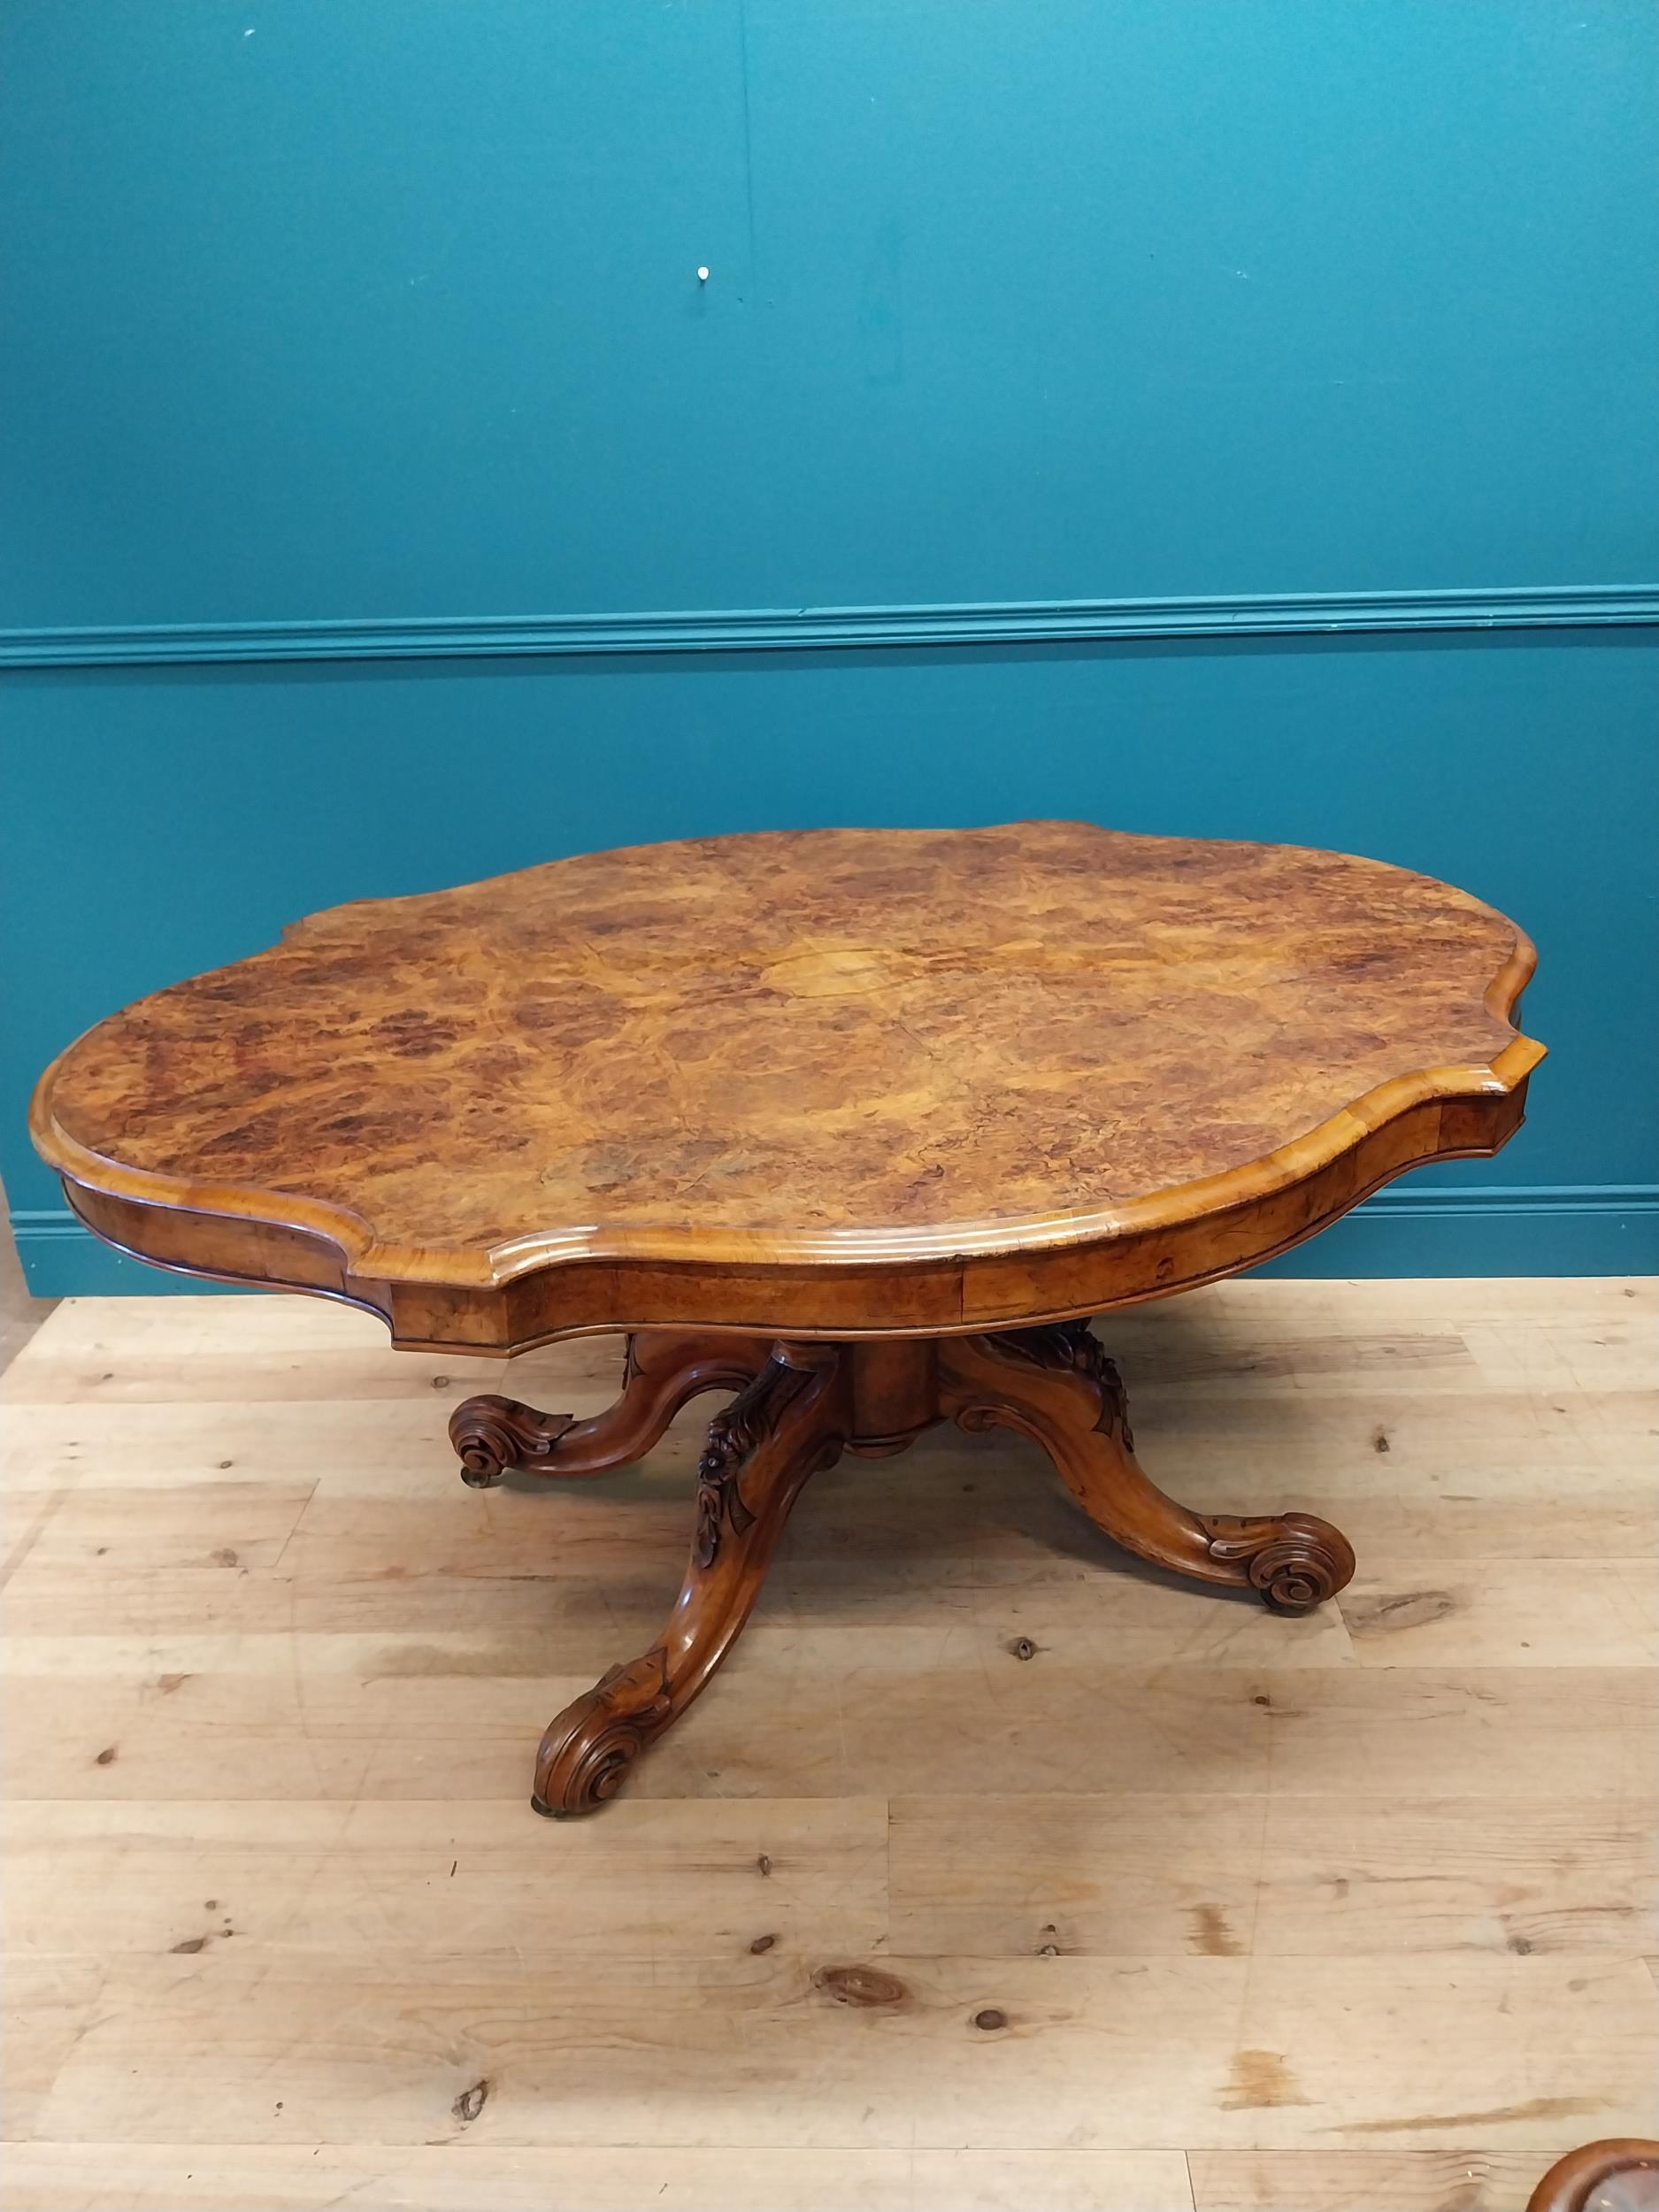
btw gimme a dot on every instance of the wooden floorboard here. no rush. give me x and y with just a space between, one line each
1353 1914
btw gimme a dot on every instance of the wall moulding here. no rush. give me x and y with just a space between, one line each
783 629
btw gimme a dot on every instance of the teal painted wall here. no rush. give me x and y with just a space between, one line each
388 503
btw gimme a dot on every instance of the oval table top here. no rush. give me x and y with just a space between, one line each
832 1082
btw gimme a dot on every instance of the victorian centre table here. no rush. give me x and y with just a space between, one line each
862 1126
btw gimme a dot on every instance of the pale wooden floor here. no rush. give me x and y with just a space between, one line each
1351 1912
20 1314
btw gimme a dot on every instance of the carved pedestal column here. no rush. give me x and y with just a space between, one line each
798 1407
784 1424
1057 1386
663 1370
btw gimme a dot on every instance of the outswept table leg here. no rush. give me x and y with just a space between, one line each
789 1421
661 1369
1057 1386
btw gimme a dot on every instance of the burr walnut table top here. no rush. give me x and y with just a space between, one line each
835 1082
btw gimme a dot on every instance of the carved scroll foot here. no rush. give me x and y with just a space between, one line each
491 1434
789 1420
587 1752
662 1370
1057 1386
1296 1560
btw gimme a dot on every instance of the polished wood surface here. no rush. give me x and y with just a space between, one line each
1618 2174
829 1083
808 1108
661 1373
797 1408
1342 1913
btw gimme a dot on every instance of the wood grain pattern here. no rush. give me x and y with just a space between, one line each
786 1422
1153 1876
661 1373
1337 1925
470 2176
831 1083
1239 2053
799 1407
1315 2180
